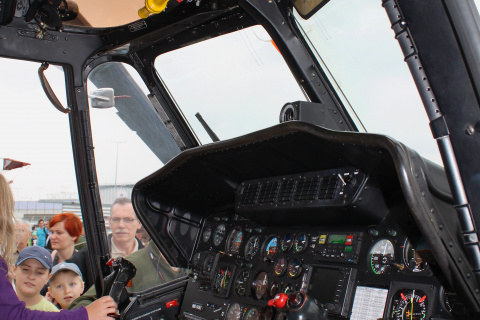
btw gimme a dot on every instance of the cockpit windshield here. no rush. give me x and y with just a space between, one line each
373 79
237 82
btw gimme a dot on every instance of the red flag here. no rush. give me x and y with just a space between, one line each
10 164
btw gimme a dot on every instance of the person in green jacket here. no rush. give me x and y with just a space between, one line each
152 270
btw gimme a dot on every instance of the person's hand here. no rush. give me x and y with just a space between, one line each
101 308
10 276
48 296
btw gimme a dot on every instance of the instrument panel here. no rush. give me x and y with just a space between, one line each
239 265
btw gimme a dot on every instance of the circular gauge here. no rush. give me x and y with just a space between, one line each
412 258
196 260
207 232
288 288
381 256
219 234
208 264
280 315
241 282
454 304
286 242
280 266
267 313
409 305
252 314
270 248
221 282
234 241
273 289
294 268
260 284
252 247
445 298
234 312
300 243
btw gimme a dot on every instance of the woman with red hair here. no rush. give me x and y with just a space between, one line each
65 229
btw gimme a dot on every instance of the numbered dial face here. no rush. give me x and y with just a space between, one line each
196 260
294 268
252 247
409 305
260 285
288 288
280 315
267 313
234 241
381 256
412 258
207 232
208 264
273 289
234 312
300 243
286 242
270 249
219 234
222 279
252 314
280 266
242 281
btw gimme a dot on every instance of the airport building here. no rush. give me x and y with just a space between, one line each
32 211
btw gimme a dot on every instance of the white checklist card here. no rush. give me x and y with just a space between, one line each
369 303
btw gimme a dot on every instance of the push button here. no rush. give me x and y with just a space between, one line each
349 240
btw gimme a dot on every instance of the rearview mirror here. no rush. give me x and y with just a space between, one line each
306 8
102 98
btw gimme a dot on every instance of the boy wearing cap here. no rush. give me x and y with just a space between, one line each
31 273
65 284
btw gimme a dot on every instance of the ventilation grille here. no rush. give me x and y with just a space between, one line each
315 189
328 187
250 193
286 190
307 189
268 192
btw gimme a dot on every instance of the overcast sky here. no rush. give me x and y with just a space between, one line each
32 130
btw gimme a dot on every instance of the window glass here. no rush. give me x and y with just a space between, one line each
130 139
371 74
237 82
131 143
35 132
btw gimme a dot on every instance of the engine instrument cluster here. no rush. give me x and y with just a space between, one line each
241 265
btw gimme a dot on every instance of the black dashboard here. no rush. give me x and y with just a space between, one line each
342 217
363 272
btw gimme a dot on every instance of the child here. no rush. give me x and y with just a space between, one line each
10 306
31 273
65 284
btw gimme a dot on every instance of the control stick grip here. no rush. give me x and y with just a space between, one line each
123 272
301 307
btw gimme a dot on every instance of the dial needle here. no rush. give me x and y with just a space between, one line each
411 303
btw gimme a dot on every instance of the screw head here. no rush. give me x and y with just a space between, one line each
470 130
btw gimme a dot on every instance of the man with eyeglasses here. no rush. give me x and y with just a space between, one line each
124 225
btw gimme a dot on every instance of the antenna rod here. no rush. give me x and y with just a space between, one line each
207 128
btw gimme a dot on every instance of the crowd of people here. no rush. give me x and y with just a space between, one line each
47 270
28 271
63 238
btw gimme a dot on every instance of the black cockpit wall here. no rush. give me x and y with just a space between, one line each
204 181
